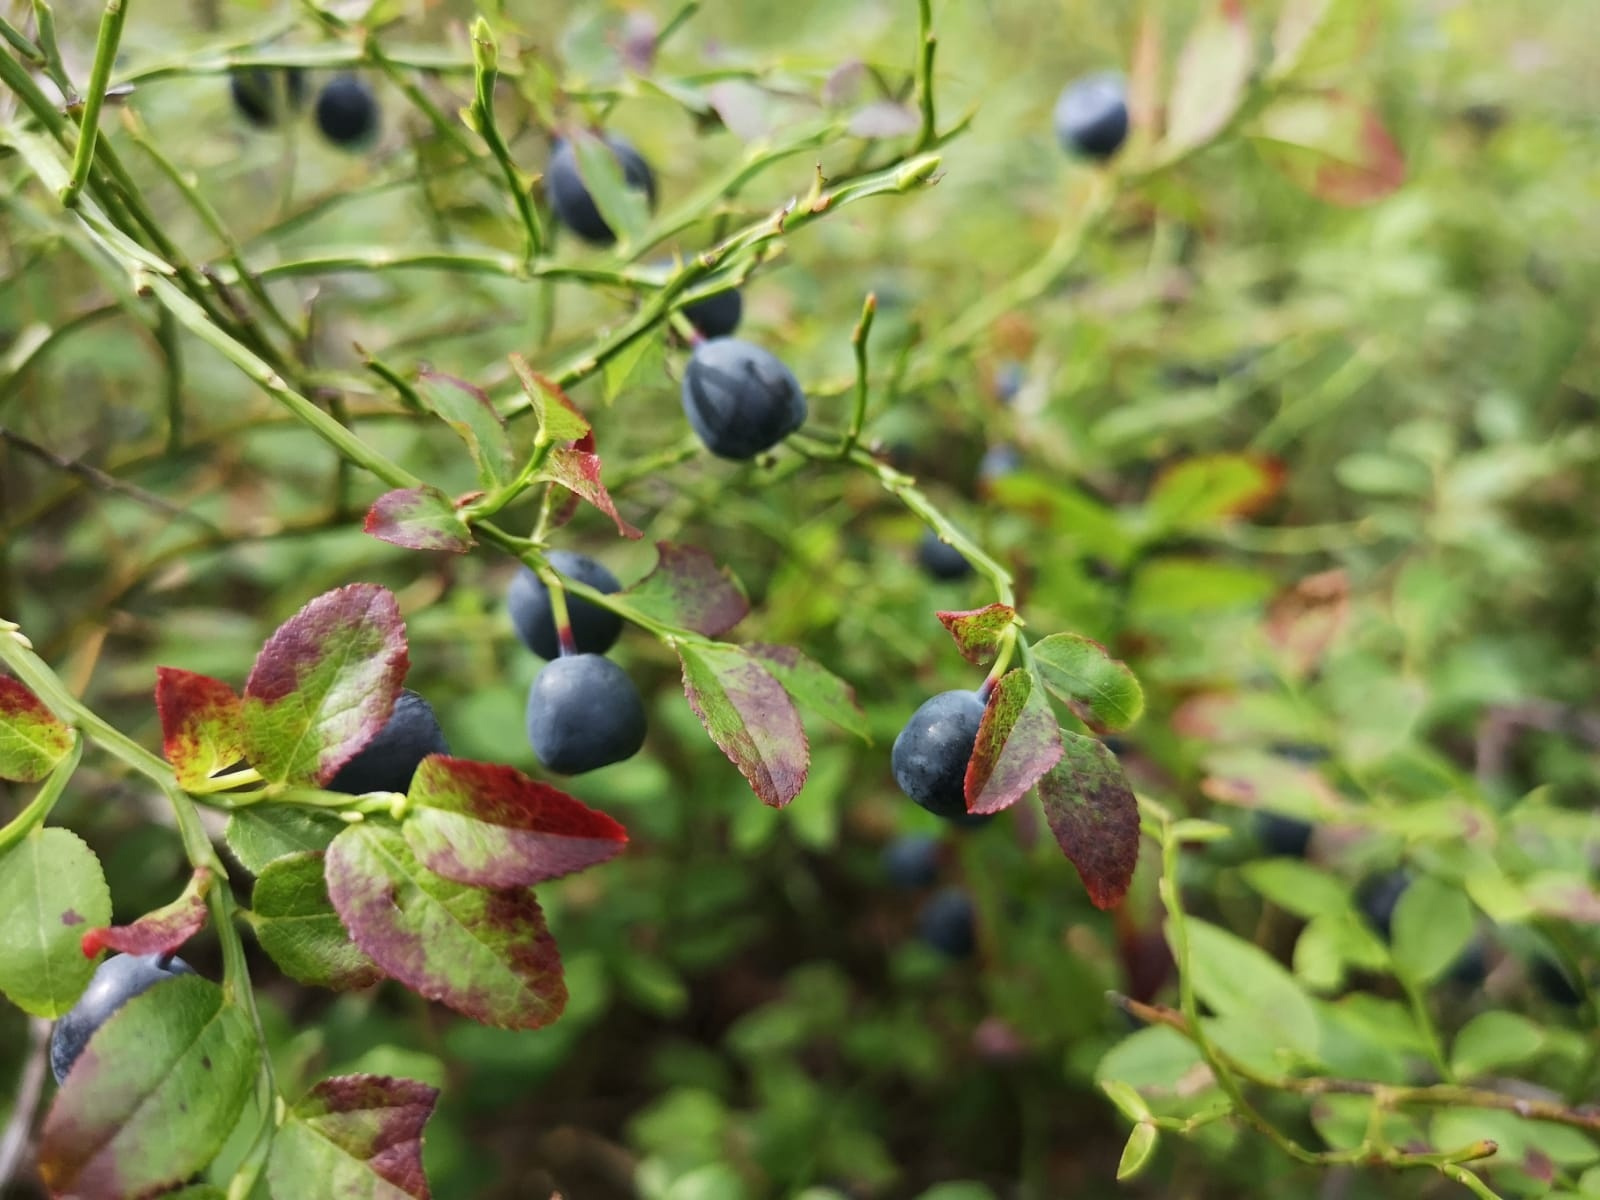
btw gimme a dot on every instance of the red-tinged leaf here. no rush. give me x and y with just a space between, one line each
295 923
1331 146
1314 36
324 684
1256 779
420 518
354 1135
746 110
1303 622
202 726
687 590
468 410
883 119
579 472
158 932
32 738
492 826
558 417
1091 810
1144 73
979 631
1212 489
750 716
813 686
485 952
1212 72
153 1096
1018 741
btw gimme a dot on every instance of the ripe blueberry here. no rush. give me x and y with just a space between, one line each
262 95
595 629
583 713
347 112
940 559
930 754
740 399
946 923
569 196
1281 836
1091 116
912 860
998 462
716 316
116 981
390 759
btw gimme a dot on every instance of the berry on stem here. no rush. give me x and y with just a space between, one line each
116 981
717 315
912 860
947 923
930 754
569 195
262 95
594 629
1091 115
740 399
940 559
583 713
347 112
391 758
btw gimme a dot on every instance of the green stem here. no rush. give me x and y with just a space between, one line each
858 342
486 62
105 52
927 44
38 809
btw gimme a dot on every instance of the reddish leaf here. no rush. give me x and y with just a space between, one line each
1305 620
350 1132
687 590
1331 146
978 631
578 470
420 518
883 119
325 683
485 952
1018 741
1144 72
32 738
750 716
467 409
558 417
492 826
1092 812
1209 82
813 686
1255 779
202 728
158 932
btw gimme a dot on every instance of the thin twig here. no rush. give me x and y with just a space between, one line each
14 1141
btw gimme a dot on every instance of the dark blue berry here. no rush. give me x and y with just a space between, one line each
947 923
583 713
930 754
390 759
940 559
740 400
1091 116
347 112
116 981
595 629
1286 837
1553 982
912 860
569 195
717 315
262 95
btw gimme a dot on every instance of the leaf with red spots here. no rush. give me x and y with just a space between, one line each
32 738
297 927
51 886
558 417
687 590
813 686
492 826
419 518
1098 688
153 1096
1092 812
467 409
202 727
324 684
1018 741
1212 489
485 952
158 932
978 631
1209 81
354 1135
1331 146
750 716
577 468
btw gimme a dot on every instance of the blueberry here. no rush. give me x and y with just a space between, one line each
1553 982
569 196
1091 116
263 95
1378 897
940 559
390 759
716 316
740 399
116 981
998 462
583 713
930 754
947 924
912 860
347 112
1008 381
1281 836
595 629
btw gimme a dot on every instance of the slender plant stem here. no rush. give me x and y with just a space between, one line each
105 53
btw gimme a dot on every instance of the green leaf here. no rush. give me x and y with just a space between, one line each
557 416
1237 979
1176 589
467 409
1091 810
687 590
749 716
297 927
51 890
979 631
32 739
1017 742
1204 492
1433 922
1136 1153
1492 1040
419 518
354 1135
1297 887
813 686
1098 687
625 209
1150 1057
1127 1099
485 952
1212 72
492 826
202 730
263 833
324 684
154 1094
